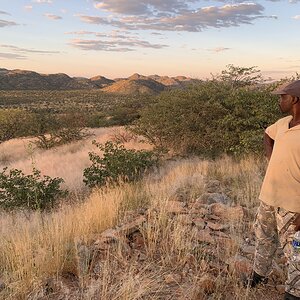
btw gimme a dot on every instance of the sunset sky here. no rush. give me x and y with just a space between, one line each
117 38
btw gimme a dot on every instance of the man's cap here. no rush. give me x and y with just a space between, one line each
292 89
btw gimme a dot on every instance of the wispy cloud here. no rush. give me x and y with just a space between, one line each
11 56
114 45
42 1
4 23
28 7
218 49
4 13
80 32
297 17
114 34
228 15
52 17
23 51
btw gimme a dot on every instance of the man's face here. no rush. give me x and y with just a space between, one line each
286 103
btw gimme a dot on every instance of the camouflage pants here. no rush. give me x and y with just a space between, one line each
273 228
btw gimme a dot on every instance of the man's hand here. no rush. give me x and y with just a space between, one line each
297 223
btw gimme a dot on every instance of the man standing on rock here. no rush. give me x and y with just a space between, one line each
278 216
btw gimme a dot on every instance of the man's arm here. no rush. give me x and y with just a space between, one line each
268 145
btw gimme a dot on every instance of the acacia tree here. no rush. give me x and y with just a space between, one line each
237 76
209 119
62 129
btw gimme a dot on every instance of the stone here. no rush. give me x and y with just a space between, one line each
234 213
173 278
204 236
199 212
226 242
199 223
240 265
213 217
209 198
220 234
175 207
248 249
132 226
216 226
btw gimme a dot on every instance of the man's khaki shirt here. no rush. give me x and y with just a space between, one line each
281 185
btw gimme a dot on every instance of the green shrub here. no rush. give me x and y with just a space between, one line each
117 163
209 119
55 131
33 191
15 123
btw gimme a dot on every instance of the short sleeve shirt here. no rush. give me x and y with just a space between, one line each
281 185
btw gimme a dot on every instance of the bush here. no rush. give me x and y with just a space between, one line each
55 131
18 190
16 123
209 119
117 163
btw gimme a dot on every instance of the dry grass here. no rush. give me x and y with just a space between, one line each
67 161
43 246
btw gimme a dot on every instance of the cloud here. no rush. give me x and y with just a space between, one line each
114 34
11 56
28 7
114 45
228 15
219 49
52 17
80 32
297 17
4 23
42 1
141 7
4 13
17 49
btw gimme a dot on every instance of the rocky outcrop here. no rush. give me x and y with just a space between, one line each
215 245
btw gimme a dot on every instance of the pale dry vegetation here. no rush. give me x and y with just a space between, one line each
36 248
66 161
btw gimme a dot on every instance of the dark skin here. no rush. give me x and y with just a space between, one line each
291 105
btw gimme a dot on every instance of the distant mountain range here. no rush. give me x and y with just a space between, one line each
135 84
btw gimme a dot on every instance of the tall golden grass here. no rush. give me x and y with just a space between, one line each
67 161
36 247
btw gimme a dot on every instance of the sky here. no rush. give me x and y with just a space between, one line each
116 38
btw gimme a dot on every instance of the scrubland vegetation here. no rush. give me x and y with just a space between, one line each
208 132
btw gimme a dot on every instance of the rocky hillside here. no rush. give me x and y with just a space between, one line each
135 84
29 80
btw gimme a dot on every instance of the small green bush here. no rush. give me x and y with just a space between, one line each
117 163
33 191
